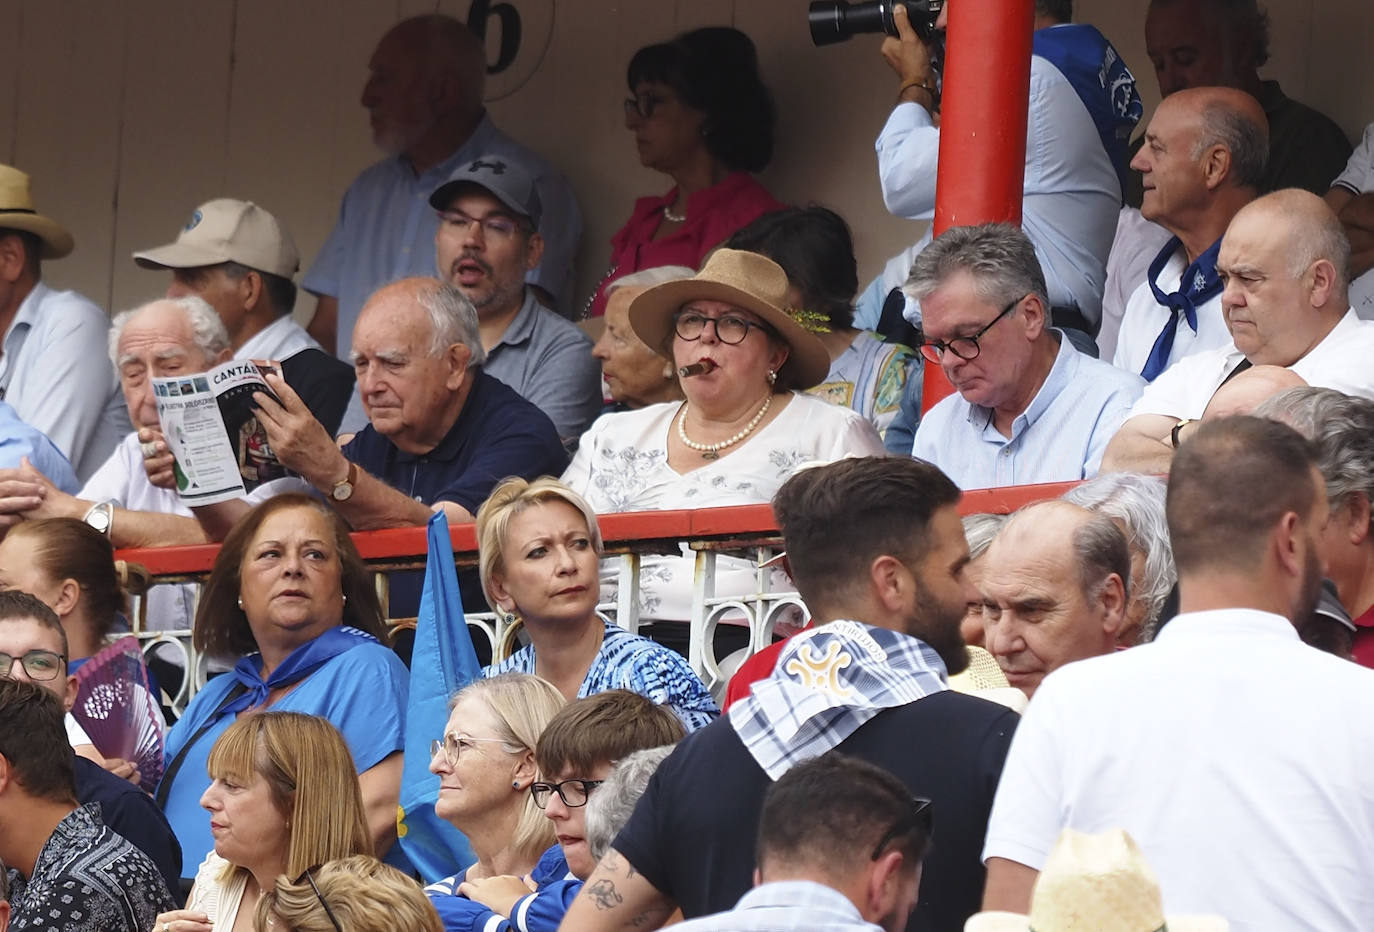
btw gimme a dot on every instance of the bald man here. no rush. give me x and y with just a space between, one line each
1202 162
1284 264
1055 585
1250 389
424 99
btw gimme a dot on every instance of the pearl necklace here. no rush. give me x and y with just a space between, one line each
711 451
672 217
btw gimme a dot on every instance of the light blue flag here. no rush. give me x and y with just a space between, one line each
442 663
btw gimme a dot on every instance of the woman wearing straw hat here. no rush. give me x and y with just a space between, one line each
743 358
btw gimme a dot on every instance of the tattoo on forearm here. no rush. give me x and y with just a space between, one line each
604 895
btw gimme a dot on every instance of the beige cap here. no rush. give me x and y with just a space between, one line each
227 230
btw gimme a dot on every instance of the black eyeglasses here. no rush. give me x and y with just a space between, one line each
965 348
40 665
730 329
323 902
574 793
918 817
643 105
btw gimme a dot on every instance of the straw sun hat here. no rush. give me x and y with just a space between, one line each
1095 883
745 280
17 213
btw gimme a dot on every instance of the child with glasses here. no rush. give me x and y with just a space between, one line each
574 754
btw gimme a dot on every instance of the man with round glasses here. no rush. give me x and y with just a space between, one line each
1029 407
33 648
488 241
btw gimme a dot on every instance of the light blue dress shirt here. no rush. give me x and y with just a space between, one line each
784 906
18 440
1059 437
1072 193
56 372
386 228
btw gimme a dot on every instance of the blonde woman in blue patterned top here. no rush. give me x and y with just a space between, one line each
540 549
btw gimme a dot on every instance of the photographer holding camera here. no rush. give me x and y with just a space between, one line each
1083 105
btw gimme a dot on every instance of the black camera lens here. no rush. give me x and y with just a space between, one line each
834 21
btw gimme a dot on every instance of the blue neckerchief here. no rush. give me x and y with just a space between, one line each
1100 79
299 664
1198 285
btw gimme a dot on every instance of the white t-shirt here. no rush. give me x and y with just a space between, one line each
622 465
1341 361
1358 177
1238 758
1145 318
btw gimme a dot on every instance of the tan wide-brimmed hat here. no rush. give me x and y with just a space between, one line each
17 213
746 280
1095 883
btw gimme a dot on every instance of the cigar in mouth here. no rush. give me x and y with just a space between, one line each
697 368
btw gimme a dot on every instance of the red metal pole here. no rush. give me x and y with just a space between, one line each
982 125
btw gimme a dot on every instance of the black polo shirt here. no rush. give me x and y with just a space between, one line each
693 832
498 434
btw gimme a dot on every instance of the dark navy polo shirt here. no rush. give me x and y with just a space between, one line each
498 434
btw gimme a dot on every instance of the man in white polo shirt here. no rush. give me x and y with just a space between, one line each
1283 263
1225 746
1202 161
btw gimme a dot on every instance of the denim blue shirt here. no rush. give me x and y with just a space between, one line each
18 440
386 228
1059 437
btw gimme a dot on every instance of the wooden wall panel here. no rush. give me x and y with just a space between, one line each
129 113
70 65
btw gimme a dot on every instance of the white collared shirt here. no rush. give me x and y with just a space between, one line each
1342 360
1240 759
281 339
1145 319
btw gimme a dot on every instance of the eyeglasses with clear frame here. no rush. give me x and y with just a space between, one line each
451 746
919 816
965 348
40 665
496 226
730 328
574 793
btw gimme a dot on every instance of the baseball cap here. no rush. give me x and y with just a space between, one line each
500 177
228 230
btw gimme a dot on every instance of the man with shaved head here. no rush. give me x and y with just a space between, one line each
1250 389
1202 161
1284 265
1055 585
424 99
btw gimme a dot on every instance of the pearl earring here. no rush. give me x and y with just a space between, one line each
772 377
345 598
240 600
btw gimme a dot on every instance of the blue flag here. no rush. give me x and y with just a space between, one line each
442 663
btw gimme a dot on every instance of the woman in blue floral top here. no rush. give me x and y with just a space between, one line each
540 549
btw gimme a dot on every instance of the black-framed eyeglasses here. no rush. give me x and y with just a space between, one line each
320 896
965 348
574 793
643 105
918 817
691 325
40 665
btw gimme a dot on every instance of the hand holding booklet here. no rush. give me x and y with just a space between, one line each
210 424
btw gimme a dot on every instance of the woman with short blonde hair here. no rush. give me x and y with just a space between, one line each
540 551
485 763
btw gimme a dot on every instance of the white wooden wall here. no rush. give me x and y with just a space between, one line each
128 113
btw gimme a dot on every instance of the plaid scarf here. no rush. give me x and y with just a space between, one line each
827 683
